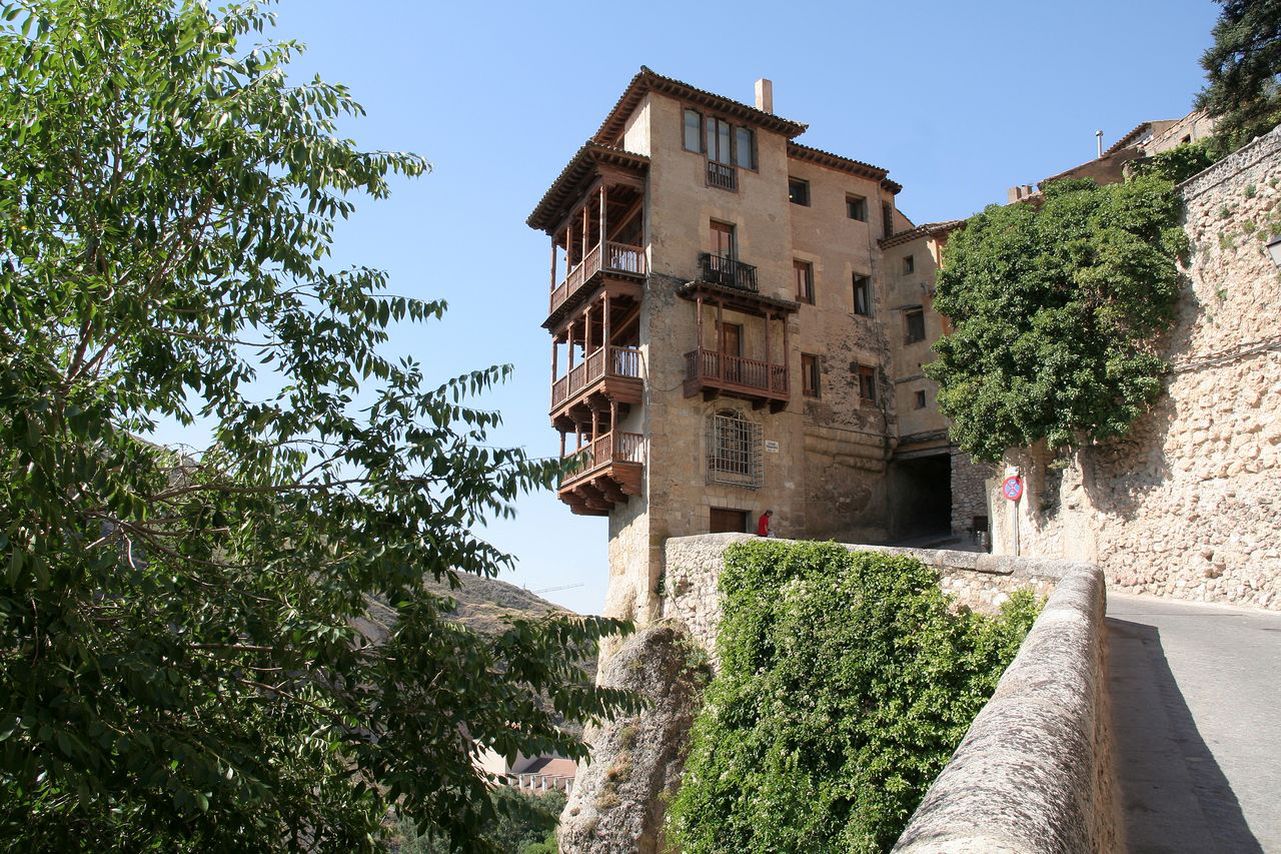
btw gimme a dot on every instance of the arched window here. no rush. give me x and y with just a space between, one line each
734 450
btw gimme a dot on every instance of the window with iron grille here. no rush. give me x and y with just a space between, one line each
734 450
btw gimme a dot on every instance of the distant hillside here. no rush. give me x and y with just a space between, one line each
483 601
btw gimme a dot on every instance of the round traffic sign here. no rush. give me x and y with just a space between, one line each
1012 488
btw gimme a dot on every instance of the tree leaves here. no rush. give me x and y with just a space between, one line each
189 656
1056 311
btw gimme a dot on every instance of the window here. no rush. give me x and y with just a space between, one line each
863 295
914 320
909 264
719 134
693 131
798 191
887 218
733 450
867 383
722 236
919 401
804 271
745 148
810 374
856 207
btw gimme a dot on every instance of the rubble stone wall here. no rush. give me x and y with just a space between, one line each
1187 504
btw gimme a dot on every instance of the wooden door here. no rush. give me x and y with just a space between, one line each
727 521
731 351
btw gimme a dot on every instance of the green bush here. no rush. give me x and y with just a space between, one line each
846 683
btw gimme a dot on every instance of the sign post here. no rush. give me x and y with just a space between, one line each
1012 488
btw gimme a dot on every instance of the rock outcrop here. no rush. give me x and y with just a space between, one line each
619 799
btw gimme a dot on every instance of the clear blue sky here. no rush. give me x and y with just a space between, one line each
958 101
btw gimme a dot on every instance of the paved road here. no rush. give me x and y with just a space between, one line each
1196 716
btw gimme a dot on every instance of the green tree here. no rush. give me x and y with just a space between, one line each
1243 70
187 661
845 685
1056 310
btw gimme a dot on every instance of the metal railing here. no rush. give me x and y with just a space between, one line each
618 258
703 364
720 270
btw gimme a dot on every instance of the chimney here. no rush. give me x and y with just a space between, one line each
765 95
1098 136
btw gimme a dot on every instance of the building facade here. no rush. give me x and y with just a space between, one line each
735 328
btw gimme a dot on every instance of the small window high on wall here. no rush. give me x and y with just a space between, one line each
810 375
862 295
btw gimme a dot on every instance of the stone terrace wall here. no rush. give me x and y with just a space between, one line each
1034 772
978 581
1188 505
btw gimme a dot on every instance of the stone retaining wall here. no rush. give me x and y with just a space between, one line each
1034 772
1187 503
978 581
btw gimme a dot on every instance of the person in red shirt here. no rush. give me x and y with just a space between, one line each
763 528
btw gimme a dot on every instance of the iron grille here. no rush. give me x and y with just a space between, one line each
734 451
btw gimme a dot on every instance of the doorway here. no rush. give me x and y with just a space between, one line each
725 521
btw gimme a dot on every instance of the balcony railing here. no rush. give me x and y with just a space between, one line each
703 365
719 270
610 449
722 175
622 362
619 258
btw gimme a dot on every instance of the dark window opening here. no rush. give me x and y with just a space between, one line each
856 208
920 400
887 218
915 326
909 264
810 374
867 383
804 272
798 191
863 295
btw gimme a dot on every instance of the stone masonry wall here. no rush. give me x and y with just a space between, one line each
970 487
979 581
1034 773
1186 505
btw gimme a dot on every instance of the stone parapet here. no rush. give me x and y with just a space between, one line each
1034 772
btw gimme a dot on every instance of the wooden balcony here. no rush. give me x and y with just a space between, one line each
613 372
618 259
611 470
713 373
722 176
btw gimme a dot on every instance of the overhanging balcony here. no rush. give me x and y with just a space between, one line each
713 373
611 470
611 372
618 259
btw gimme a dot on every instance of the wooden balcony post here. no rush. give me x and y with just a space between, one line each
603 196
700 327
587 331
553 262
720 339
569 345
586 216
562 443
595 426
555 355
604 298
768 317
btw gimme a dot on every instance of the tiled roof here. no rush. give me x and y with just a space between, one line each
556 202
647 80
928 229
1157 126
845 164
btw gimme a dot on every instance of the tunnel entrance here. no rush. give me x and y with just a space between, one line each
921 496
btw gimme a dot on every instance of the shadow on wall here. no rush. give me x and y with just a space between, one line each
1173 795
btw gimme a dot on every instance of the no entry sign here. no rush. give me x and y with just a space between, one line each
1012 488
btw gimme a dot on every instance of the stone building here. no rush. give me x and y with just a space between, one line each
738 322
